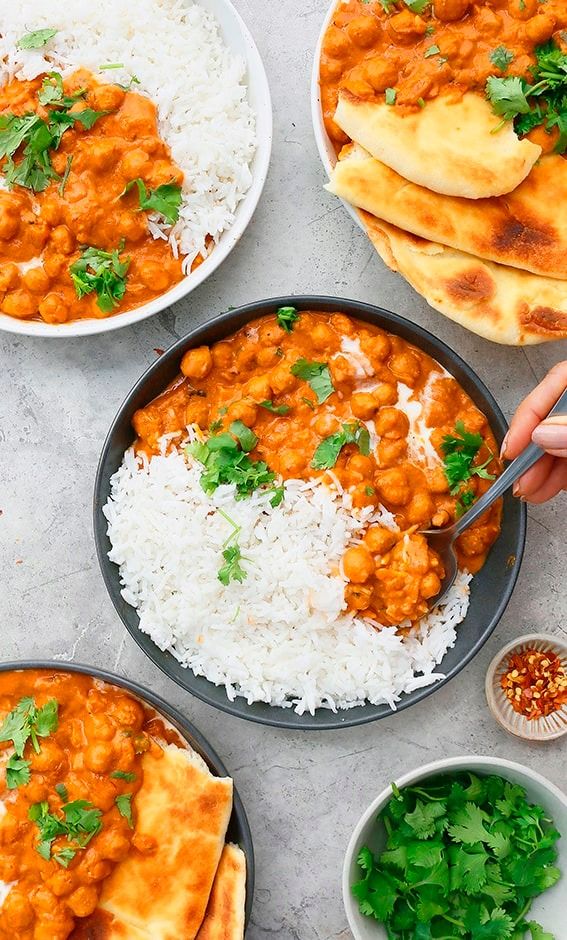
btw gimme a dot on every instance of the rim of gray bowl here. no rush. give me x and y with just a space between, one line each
238 827
153 381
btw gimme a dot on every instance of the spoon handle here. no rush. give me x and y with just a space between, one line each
513 472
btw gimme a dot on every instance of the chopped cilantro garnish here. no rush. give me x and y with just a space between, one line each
215 425
26 723
328 451
417 6
65 176
103 272
232 570
501 58
464 502
463 859
317 375
17 772
80 821
276 409
52 93
127 775
166 199
507 96
244 435
36 39
287 317
277 498
421 102
124 804
226 463
459 450
61 791
387 5
369 490
433 50
390 95
308 402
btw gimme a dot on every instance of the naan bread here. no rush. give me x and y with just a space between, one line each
224 919
103 926
499 303
448 146
526 229
186 810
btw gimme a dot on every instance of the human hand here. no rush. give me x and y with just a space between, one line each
549 475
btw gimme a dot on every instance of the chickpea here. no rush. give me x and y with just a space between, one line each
449 10
267 356
291 462
380 540
145 844
421 507
93 868
99 757
17 910
363 405
133 227
246 357
9 868
155 276
259 388
282 380
364 31
53 309
341 371
76 189
406 25
358 596
245 411
389 453
381 73
322 336
358 565
9 225
393 486
62 240
54 930
50 756
9 276
197 363
102 153
134 163
392 424
106 97
430 585
386 394
326 424
37 790
42 900
270 334
406 367
336 44
36 280
440 518
37 232
112 845
363 494
342 324
19 303
83 901
54 264
360 466
62 882
437 481
197 412
222 355
100 727
523 9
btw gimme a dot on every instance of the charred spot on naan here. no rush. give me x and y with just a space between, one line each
544 320
473 285
516 234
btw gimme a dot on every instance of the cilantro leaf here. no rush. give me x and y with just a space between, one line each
61 791
433 50
365 859
225 463
47 718
166 199
103 272
468 825
275 409
317 375
245 436
422 819
124 805
17 772
287 317
507 96
464 502
459 450
417 6
232 570
390 95
65 856
501 58
327 453
36 39
127 775
538 933
277 498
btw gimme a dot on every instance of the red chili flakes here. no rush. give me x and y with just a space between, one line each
535 683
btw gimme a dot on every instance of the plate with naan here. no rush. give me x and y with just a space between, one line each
442 125
117 820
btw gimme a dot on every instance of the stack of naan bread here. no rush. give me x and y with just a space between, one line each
191 885
473 217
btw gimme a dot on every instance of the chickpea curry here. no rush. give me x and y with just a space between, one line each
319 395
406 52
71 750
85 169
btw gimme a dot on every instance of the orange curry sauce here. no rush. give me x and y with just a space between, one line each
42 234
445 49
379 379
101 730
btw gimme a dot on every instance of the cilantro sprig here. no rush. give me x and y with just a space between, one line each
464 858
327 453
317 375
232 570
26 722
287 317
460 450
36 39
501 57
79 823
103 272
275 409
543 102
225 460
124 805
165 199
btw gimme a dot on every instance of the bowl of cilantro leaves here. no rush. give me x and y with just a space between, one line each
466 848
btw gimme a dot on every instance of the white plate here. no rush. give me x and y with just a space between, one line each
238 38
324 145
548 908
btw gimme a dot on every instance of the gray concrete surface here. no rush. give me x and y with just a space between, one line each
303 793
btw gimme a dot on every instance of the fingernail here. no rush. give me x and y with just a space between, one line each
550 436
504 444
516 488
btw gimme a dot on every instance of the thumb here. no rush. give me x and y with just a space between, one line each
551 436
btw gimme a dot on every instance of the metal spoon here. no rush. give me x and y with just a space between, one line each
443 540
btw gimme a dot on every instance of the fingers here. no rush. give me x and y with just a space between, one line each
555 482
533 480
551 435
533 409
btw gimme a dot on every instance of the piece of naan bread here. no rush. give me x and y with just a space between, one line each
225 915
526 229
499 303
186 810
448 146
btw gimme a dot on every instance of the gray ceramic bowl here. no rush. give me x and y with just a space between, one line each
238 827
491 588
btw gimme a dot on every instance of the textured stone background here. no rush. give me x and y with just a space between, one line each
303 792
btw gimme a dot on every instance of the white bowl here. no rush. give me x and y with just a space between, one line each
548 908
238 38
324 145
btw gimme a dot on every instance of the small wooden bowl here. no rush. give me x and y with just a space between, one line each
538 729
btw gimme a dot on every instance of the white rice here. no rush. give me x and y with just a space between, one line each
283 635
175 49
